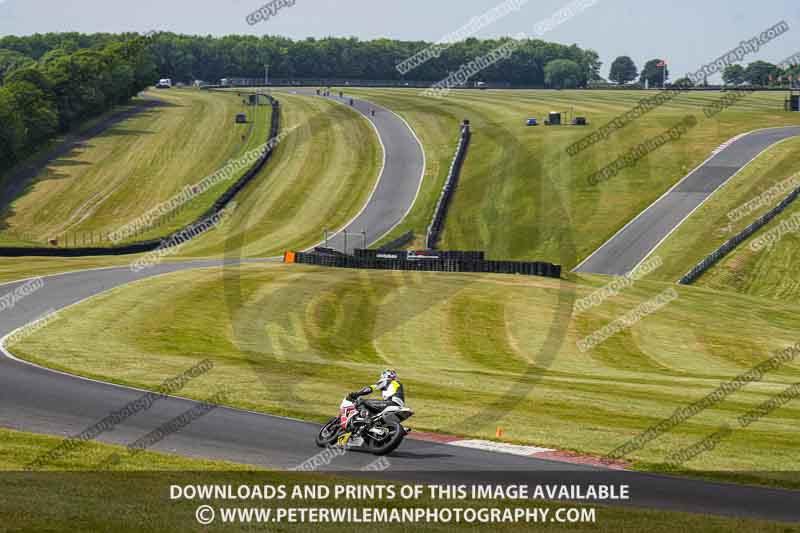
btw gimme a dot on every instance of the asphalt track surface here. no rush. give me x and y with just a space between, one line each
636 240
398 184
45 401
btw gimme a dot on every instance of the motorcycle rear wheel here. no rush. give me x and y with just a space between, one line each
390 444
329 433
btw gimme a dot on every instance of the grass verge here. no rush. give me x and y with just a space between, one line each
137 498
320 176
136 164
476 352
769 272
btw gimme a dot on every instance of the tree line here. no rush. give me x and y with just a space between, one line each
49 83
656 72
188 57
207 58
47 88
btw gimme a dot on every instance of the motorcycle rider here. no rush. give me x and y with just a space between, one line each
391 391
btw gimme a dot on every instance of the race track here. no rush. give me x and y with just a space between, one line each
398 184
636 240
45 401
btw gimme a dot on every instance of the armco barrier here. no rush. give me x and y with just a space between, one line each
139 247
428 265
732 243
149 245
440 213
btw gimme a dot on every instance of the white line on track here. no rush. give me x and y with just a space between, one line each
712 193
698 167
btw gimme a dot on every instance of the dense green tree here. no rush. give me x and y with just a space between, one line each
654 74
684 82
759 72
65 81
563 74
12 132
32 75
184 57
623 70
11 60
38 112
733 74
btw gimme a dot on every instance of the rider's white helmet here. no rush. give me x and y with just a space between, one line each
387 376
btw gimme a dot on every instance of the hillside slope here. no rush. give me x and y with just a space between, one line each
522 196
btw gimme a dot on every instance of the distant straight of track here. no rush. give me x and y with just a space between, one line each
398 185
637 239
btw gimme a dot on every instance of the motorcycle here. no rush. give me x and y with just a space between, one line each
357 429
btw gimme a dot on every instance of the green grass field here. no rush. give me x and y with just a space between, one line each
136 164
770 272
134 495
522 196
21 448
320 176
302 191
496 351
40 158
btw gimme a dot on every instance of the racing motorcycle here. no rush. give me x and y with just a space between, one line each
357 429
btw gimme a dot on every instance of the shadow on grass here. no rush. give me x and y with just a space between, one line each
21 179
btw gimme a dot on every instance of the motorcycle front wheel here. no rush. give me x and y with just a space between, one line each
329 433
390 442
